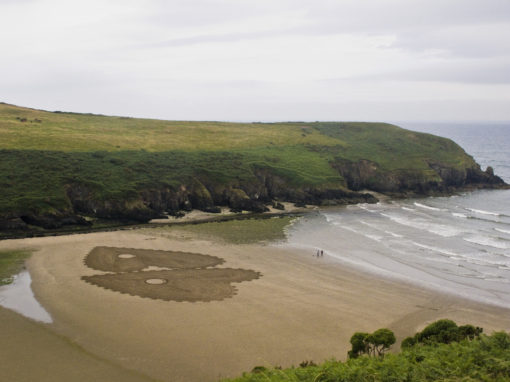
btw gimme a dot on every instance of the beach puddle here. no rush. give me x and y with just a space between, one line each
19 297
164 275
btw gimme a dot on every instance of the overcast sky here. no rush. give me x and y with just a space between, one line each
260 60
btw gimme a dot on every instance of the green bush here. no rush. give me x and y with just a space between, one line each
443 331
485 358
371 344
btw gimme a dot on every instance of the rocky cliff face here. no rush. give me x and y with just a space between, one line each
263 189
368 175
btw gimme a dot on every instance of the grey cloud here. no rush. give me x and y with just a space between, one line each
380 16
185 13
458 27
333 15
113 78
16 2
205 38
466 72
473 41
496 73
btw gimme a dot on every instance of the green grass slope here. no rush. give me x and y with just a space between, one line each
28 129
485 359
61 163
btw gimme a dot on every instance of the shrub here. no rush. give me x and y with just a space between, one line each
372 344
443 331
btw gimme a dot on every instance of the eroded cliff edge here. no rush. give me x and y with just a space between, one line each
83 200
76 170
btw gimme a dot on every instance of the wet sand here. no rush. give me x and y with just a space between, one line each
301 308
31 351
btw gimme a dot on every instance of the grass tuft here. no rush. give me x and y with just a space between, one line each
11 263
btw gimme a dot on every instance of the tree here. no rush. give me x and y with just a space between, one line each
408 342
359 342
381 340
371 344
443 331
469 332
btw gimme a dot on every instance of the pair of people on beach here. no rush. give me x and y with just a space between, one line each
320 253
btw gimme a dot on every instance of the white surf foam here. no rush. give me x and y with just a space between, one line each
394 234
427 207
486 241
482 212
373 237
366 208
438 229
364 234
380 229
439 250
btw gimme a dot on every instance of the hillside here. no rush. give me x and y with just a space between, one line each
483 359
61 168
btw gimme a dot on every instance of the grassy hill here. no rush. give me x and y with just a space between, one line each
56 166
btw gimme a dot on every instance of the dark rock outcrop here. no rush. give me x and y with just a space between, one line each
487 177
54 221
369 175
278 206
199 196
12 224
238 200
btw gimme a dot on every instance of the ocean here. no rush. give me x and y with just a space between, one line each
458 244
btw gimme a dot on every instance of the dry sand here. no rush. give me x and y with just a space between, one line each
301 308
201 216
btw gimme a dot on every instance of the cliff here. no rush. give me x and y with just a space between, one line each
66 169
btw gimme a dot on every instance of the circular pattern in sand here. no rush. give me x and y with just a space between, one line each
156 281
125 256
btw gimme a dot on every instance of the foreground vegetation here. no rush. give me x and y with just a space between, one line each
56 168
467 358
11 263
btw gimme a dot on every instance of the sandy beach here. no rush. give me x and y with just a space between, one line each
300 308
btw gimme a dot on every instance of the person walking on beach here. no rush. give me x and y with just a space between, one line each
322 253
318 253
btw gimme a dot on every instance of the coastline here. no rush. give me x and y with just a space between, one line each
193 217
196 216
301 308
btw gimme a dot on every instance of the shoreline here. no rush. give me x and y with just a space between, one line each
197 217
206 217
383 274
299 309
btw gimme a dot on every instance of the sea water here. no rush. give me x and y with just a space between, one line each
19 297
458 244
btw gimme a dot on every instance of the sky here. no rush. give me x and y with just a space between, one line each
260 60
